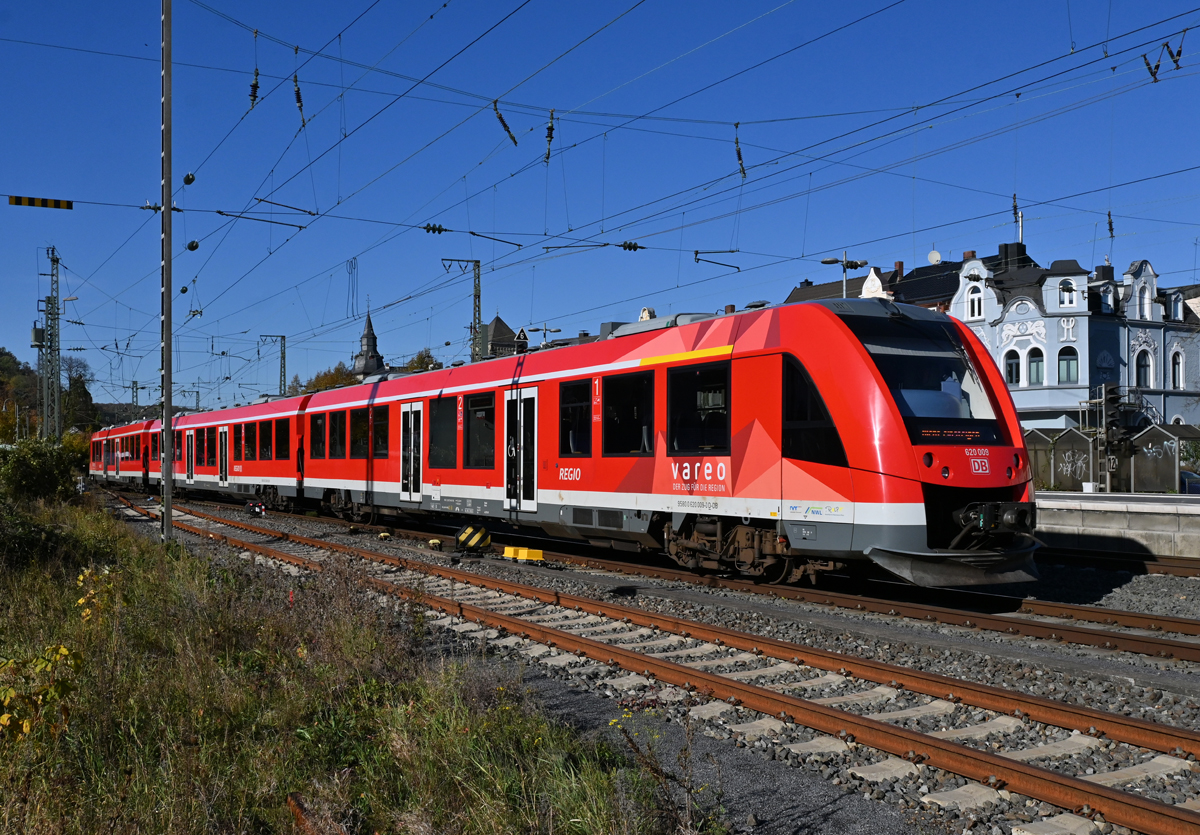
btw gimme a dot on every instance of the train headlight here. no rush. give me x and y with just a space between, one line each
945 472
1010 472
927 459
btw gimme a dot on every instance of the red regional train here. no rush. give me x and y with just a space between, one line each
774 441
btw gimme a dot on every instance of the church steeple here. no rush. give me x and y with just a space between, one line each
368 360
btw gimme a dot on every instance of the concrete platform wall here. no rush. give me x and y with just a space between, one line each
1138 523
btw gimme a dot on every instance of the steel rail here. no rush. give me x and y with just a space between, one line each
1008 624
1121 808
1133 731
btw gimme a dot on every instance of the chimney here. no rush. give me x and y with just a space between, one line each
899 270
1011 255
968 254
1104 272
730 308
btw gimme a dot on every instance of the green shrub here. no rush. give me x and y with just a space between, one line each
36 468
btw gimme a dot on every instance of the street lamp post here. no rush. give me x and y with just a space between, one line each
846 264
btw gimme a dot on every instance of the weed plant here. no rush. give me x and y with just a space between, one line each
198 692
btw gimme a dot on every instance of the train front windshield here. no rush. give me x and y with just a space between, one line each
936 386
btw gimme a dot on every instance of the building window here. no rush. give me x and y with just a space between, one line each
1144 379
1106 300
316 436
443 438
1012 368
1066 293
1177 308
1068 366
237 442
1144 302
479 431
575 418
698 409
1177 370
1037 367
337 434
379 431
629 414
975 302
360 433
809 434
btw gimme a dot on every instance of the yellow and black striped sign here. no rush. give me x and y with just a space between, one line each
473 538
40 202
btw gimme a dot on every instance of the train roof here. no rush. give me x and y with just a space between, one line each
681 337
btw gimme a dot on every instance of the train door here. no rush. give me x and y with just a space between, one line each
410 452
190 444
223 456
120 454
520 449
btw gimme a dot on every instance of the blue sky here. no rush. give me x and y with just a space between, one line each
885 128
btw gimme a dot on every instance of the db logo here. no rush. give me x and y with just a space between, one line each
979 465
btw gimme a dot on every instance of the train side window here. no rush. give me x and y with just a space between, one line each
337 434
629 414
210 444
575 419
264 440
237 442
479 431
698 409
154 446
251 441
809 434
178 445
379 431
360 433
198 450
316 436
283 428
443 428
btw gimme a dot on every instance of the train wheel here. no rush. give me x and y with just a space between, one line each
777 572
364 514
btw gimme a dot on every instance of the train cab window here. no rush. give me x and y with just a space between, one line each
931 377
264 440
154 446
809 433
360 433
379 431
316 436
283 427
479 431
443 431
337 434
628 426
251 441
575 418
698 409
210 445
237 442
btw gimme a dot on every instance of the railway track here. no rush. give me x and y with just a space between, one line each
678 660
1092 626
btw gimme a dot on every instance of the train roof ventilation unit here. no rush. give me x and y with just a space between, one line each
660 322
757 305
